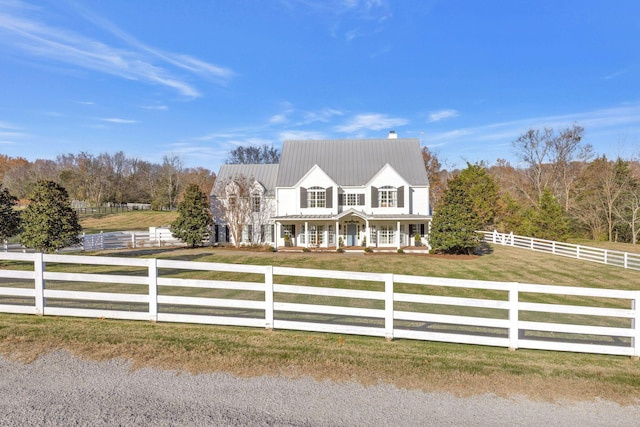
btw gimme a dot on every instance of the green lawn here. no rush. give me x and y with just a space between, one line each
406 363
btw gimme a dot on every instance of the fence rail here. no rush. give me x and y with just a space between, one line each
585 253
512 315
155 237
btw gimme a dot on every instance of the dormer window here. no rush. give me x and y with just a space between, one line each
387 197
316 197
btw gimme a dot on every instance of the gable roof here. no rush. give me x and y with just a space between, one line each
265 174
351 161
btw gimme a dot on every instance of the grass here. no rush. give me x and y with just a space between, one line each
126 221
460 369
431 366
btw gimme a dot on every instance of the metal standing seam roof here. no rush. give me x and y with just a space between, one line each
265 174
351 161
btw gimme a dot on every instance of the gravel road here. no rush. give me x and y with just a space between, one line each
60 389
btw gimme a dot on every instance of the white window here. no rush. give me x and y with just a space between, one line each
387 197
387 235
316 235
352 199
316 197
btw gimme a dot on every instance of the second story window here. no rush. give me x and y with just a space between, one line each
316 197
387 197
255 204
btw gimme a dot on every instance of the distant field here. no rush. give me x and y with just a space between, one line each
126 221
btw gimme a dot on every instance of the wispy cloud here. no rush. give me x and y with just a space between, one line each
371 121
347 19
300 134
118 120
26 34
155 107
615 74
593 121
442 115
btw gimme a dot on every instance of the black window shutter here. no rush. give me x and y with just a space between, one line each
293 230
374 197
422 229
360 199
341 199
412 229
303 197
401 197
329 197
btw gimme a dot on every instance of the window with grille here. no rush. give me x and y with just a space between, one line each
316 197
387 197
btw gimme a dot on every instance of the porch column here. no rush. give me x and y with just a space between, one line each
398 234
367 232
337 234
276 235
306 234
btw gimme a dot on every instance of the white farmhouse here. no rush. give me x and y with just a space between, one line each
332 193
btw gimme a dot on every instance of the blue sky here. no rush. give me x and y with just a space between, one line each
198 78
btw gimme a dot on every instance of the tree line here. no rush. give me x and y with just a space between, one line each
116 179
559 189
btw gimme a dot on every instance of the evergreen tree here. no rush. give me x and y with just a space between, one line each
483 191
193 224
549 221
454 226
9 217
49 223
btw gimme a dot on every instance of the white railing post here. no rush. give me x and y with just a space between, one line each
133 239
268 297
625 259
388 306
577 251
495 236
553 247
635 324
153 290
38 269
512 238
606 257
513 316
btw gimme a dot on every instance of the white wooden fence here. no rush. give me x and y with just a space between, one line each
585 253
155 237
512 315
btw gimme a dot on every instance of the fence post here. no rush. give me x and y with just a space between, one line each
101 240
495 236
388 306
635 324
153 290
133 239
625 259
577 251
606 257
268 297
513 316
38 269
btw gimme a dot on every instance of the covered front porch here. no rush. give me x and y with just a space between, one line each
353 228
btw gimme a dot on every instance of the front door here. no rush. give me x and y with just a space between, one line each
351 235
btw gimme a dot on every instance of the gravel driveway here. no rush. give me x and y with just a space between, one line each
60 389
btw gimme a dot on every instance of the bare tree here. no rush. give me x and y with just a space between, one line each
253 155
232 203
551 161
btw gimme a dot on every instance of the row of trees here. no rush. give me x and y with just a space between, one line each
559 189
107 178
